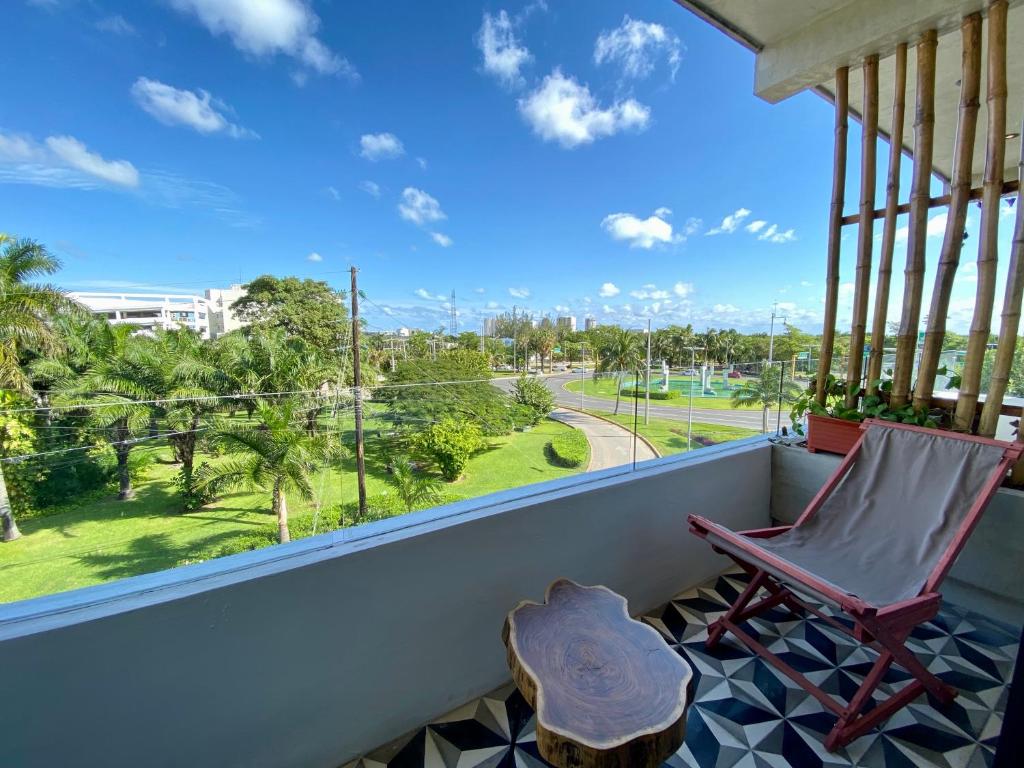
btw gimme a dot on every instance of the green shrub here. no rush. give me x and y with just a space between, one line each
381 506
672 394
569 449
450 444
534 395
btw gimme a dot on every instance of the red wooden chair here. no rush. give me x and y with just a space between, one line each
875 543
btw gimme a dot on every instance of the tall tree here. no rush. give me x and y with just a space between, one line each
26 311
275 454
622 353
309 309
766 392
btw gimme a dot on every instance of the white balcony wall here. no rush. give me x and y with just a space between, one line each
312 653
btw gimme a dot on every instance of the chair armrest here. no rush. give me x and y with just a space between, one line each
765 533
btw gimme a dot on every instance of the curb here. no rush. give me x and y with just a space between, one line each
641 438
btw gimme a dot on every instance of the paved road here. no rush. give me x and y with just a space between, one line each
610 444
749 419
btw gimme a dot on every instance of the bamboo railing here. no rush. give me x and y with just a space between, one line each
966 417
995 158
892 200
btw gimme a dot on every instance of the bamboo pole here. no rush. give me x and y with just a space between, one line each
956 219
988 250
1010 323
924 135
892 198
835 226
866 233
940 201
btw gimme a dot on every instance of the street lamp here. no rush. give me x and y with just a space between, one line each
689 414
771 333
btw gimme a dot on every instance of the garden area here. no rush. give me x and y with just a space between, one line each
669 435
99 538
677 396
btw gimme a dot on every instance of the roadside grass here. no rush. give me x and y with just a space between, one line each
605 388
103 539
669 435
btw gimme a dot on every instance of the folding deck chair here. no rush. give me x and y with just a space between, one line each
875 542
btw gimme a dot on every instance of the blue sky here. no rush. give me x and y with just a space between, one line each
557 156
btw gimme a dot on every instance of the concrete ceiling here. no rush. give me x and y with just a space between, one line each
800 43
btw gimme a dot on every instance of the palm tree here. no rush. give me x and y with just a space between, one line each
118 385
766 391
414 489
543 340
622 353
277 453
26 310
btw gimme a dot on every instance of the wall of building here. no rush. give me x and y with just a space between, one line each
988 575
311 653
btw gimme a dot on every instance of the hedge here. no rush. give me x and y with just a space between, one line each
569 449
672 394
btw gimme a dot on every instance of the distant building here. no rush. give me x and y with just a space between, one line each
219 300
149 311
566 321
403 332
490 326
590 323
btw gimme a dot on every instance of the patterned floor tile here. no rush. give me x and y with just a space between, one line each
747 715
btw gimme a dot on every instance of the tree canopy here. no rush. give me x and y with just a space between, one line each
309 309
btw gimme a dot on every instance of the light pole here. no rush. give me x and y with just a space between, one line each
771 333
689 414
647 387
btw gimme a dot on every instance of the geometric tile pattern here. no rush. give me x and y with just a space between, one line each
747 715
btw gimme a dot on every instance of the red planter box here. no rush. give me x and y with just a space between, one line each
831 435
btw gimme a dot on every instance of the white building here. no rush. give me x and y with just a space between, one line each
149 311
566 321
590 323
490 326
222 319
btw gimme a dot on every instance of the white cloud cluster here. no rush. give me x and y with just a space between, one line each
60 161
441 239
561 109
650 291
194 109
380 146
269 27
608 290
519 293
646 233
314 257
774 235
636 46
682 290
730 223
419 207
423 293
503 54
371 188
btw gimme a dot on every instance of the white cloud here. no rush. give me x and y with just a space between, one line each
314 256
636 46
380 146
756 226
519 293
608 290
936 227
60 161
561 308
725 309
563 110
693 225
419 207
423 293
116 25
269 27
649 292
504 56
371 188
806 283
730 222
773 235
195 109
492 305
641 233
480 290
682 290
334 193
441 239
422 163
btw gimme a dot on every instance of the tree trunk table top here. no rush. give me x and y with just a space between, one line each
608 691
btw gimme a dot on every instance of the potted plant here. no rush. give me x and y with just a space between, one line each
834 427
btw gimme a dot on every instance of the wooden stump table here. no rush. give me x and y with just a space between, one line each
608 691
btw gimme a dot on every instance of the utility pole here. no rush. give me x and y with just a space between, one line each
689 415
771 333
515 339
357 396
647 388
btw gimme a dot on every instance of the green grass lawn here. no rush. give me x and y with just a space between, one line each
103 539
669 436
605 387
